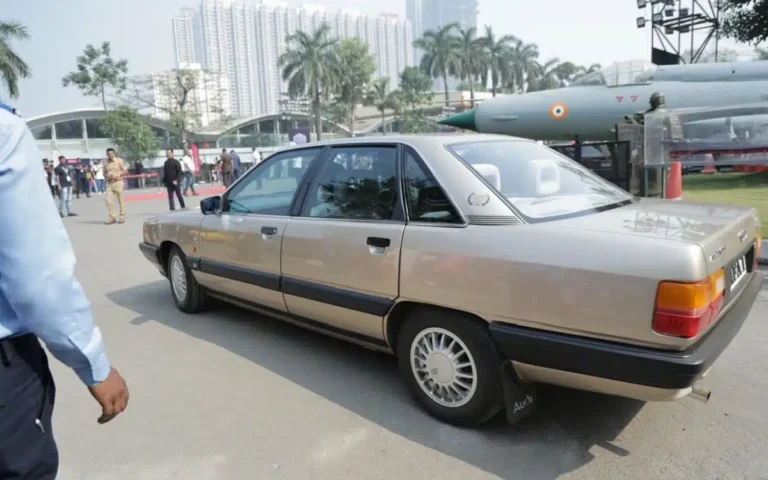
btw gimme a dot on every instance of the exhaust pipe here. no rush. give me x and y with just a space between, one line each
701 394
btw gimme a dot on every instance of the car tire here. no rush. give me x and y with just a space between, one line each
188 295
455 399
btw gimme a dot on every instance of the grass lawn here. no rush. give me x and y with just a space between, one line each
747 189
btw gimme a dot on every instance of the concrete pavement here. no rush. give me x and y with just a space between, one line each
231 395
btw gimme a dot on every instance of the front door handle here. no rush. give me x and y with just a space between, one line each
378 242
269 230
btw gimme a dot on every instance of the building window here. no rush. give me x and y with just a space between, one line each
44 132
94 129
71 130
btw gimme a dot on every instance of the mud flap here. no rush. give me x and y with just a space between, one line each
519 396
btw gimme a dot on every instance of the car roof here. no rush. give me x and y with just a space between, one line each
420 140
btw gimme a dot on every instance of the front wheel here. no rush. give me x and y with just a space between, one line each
451 365
187 294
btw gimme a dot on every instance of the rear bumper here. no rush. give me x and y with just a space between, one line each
626 363
152 253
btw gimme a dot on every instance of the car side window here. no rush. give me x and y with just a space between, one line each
425 198
269 188
355 183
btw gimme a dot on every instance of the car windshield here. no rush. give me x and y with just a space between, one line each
539 182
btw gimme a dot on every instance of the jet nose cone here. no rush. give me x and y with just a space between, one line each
465 120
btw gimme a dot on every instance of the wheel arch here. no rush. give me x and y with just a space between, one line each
164 253
399 313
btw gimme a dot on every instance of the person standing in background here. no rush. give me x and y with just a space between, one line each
140 172
235 164
40 299
188 168
172 175
115 170
82 181
64 181
98 175
227 168
256 157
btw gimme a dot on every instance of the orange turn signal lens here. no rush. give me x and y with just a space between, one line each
685 309
684 297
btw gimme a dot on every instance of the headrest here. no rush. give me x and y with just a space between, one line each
543 176
490 173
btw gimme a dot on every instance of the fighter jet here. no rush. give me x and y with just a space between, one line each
590 108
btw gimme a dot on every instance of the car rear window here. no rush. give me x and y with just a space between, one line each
540 183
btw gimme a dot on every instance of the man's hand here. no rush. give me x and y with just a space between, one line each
112 395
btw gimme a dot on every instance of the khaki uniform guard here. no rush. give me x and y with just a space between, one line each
114 171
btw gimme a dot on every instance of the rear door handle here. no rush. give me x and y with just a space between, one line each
268 230
378 242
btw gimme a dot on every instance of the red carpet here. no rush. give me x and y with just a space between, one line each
163 194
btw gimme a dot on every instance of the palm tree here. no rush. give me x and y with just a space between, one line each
545 76
470 58
583 71
497 56
308 68
12 67
380 97
441 57
522 58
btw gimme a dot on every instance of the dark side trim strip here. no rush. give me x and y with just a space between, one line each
270 281
339 297
302 320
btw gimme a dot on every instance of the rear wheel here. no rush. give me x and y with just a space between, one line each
187 293
451 365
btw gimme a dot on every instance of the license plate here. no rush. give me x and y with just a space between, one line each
738 271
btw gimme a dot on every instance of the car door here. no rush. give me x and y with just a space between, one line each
341 254
240 245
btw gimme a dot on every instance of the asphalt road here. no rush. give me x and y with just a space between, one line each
232 395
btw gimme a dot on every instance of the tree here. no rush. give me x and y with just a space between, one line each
173 94
470 59
522 65
97 70
308 67
380 97
761 54
544 76
708 55
353 72
131 133
441 57
12 67
498 54
745 21
415 91
583 71
415 88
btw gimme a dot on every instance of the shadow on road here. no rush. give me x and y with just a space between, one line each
557 439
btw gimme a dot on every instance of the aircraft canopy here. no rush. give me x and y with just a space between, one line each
631 72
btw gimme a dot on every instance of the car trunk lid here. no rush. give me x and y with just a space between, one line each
725 233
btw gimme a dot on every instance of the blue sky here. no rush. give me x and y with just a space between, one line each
582 31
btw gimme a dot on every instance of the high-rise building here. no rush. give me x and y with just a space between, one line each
433 14
436 13
245 41
187 39
413 12
209 101
244 73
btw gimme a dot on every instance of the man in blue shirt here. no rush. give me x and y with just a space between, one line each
40 299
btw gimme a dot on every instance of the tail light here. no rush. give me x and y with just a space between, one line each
686 309
758 244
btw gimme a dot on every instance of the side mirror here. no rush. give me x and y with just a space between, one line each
210 205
